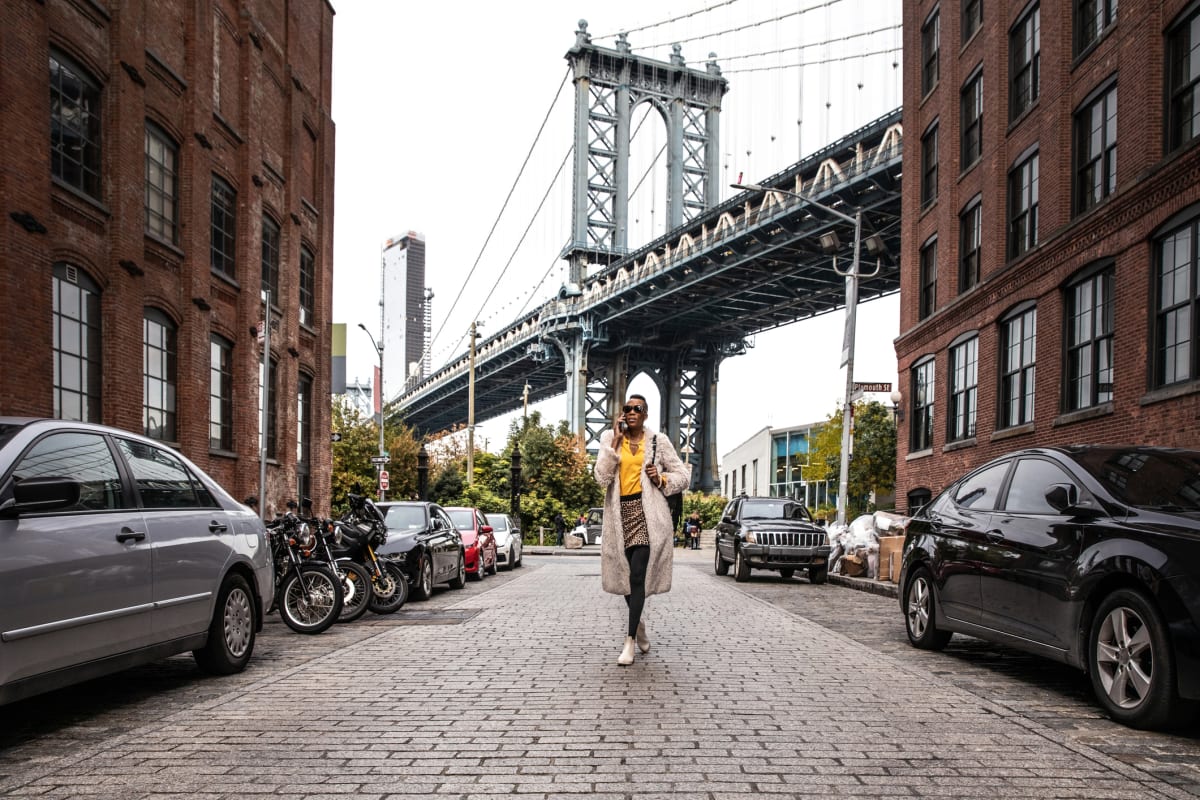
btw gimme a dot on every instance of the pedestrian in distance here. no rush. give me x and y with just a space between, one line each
638 469
560 527
692 527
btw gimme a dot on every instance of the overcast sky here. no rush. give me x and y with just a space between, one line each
437 105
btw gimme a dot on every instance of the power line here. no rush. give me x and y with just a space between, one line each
745 27
669 21
811 63
727 59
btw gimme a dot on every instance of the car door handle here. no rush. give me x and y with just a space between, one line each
995 536
128 533
215 527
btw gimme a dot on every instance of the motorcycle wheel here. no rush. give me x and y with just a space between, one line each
356 590
390 590
311 601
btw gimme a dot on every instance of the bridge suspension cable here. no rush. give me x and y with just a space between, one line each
688 15
739 28
851 57
859 35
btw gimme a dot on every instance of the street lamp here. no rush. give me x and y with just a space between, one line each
382 402
830 243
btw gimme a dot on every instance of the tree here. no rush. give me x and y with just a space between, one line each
352 465
872 455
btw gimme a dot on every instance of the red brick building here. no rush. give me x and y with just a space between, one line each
1051 219
162 162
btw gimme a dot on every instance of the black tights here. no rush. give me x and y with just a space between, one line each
639 559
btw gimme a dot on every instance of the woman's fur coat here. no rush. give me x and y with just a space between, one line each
614 569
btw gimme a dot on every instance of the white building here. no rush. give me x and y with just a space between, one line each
403 312
772 463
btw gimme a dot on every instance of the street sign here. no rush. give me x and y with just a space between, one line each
383 480
335 436
379 459
872 387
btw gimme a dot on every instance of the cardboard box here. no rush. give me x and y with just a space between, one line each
853 566
891 549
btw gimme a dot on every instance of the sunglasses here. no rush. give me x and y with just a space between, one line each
637 408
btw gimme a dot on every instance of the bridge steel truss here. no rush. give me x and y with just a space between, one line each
676 308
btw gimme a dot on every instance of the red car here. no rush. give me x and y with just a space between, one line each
479 545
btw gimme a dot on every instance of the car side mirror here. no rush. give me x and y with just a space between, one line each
1064 498
45 494
486 529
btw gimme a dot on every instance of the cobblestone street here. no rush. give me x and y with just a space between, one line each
512 686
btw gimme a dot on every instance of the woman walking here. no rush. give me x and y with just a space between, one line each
638 469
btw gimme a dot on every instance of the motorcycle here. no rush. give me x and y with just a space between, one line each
308 596
363 529
354 577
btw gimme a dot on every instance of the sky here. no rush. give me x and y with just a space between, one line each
454 118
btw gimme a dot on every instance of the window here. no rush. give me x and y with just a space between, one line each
1090 341
1177 308
970 239
921 431
161 478
1183 81
1024 62
220 395
928 297
1096 151
972 18
304 424
929 166
1092 18
308 279
270 258
1018 335
981 490
964 381
272 399
83 457
972 121
931 34
224 228
1027 489
162 184
76 320
1023 206
74 126
159 376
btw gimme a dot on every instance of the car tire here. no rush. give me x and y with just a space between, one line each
741 570
1131 664
818 575
460 577
517 563
720 565
492 568
920 615
786 574
231 633
423 589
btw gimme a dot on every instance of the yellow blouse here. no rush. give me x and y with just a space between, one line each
631 467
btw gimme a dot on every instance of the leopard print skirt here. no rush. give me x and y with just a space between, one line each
633 521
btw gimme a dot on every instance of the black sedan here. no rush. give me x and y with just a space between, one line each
423 540
770 533
1089 555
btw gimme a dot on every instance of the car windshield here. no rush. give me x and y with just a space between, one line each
772 509
405 518
463 519
499 522
1167 480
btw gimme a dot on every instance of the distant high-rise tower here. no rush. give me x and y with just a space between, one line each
403 267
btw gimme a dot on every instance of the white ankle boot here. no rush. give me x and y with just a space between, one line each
626 657
643 641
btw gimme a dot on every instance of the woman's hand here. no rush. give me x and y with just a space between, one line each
618 435
654 475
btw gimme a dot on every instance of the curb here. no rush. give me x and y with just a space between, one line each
884 588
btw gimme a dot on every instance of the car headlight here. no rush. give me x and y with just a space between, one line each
751 538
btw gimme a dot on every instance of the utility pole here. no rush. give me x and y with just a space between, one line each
471 410
266 399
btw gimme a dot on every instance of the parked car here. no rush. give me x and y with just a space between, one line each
508 540
478 541
592 528
115 551
423 540
1089 555
770 533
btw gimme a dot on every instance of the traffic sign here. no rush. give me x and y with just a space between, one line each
872 387
379 459
383 480
335 436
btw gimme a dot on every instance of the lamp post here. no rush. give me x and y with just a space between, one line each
471 409
829 242
382 403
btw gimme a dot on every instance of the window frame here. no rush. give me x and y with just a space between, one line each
931 44
308 283
161 185
272 390
970 244
223 228
86 123
1025 239
1180 94
220 400
927 279
1184 304
1017 375
1025 61
304 434
1101 313
1085 163
272 236
971 101
929 166
962 398
972 18
1104 11
164 352
921 416
84 328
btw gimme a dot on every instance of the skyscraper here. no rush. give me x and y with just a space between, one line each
403 266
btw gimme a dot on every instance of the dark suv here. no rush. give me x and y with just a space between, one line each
770 533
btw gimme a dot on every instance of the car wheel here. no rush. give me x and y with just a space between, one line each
818 575
741 570
920 618
517 564
231 633
720 565
787 574
424 588
1131 664
460 576
492 568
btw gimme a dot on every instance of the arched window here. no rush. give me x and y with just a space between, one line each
74 125
76 309
159 365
